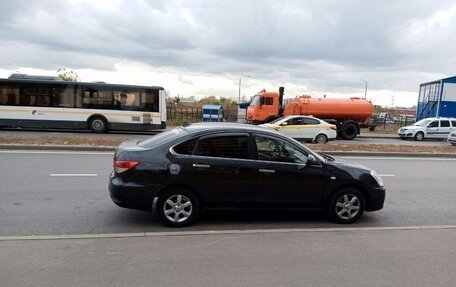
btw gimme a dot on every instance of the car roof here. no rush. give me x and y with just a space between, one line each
300 116
223 127
439 118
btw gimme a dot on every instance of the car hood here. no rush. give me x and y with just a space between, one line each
353 166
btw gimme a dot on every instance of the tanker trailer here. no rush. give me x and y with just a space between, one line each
349 115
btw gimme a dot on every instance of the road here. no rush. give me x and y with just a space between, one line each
63 197
41 195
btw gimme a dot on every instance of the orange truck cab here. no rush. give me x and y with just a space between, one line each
265 107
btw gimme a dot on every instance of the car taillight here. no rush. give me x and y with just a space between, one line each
122 165
334 128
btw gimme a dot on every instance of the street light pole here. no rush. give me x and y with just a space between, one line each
240 78
365 89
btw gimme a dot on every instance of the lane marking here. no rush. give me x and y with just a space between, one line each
225 232
386 175
398 158
58 152
73 174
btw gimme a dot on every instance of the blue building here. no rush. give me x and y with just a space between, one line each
437 99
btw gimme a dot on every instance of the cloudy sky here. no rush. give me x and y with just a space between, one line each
202 47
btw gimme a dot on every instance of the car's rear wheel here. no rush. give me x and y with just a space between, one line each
419 136
346 206
321 139
178 207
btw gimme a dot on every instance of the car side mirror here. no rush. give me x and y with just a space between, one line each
311 160
284 124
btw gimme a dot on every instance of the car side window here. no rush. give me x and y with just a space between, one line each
311 122
273 149
434 124
444 124
224 147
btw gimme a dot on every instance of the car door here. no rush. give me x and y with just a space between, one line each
432 129
312 127
284 177
222 169
445 129
290 127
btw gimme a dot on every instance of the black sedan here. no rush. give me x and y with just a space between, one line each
233 165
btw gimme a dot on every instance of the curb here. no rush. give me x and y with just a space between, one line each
111 149
56 147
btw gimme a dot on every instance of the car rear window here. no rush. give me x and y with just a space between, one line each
162 138
185 148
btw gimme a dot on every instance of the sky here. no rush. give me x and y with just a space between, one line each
203 47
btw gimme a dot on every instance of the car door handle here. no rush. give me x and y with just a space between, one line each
199 165
264 170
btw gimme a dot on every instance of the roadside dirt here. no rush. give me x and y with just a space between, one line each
112 142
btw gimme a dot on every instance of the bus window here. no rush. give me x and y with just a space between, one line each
36 95
9 95
126 100
64 96
97 98
150 101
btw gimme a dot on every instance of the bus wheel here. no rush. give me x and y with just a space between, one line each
97 125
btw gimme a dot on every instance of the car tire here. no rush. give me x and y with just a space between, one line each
346 206
321 139
178 207
98 125
419 136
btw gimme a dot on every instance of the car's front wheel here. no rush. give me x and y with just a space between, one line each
419 136
178 207
346 205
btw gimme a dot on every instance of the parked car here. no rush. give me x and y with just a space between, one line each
452 138
234 165
434 128
304 128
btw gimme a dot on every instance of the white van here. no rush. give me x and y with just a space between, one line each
433 128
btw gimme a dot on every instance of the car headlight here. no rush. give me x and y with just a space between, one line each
377 177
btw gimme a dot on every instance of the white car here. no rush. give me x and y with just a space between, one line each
433 128
452 138
304 128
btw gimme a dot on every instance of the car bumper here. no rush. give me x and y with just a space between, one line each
131 195
405 135
376 199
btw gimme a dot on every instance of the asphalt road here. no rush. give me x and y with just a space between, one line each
63 195
66 193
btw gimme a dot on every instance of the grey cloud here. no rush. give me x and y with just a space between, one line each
326 45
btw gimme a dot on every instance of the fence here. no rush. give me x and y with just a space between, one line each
179 115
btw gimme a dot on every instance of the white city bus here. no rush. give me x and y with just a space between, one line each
49 102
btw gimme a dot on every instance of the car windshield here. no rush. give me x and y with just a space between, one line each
422 122
255 100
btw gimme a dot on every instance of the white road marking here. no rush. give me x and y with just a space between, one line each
398 158
225 232
56 152
73 174
386 175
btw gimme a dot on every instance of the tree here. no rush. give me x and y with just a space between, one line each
68 75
